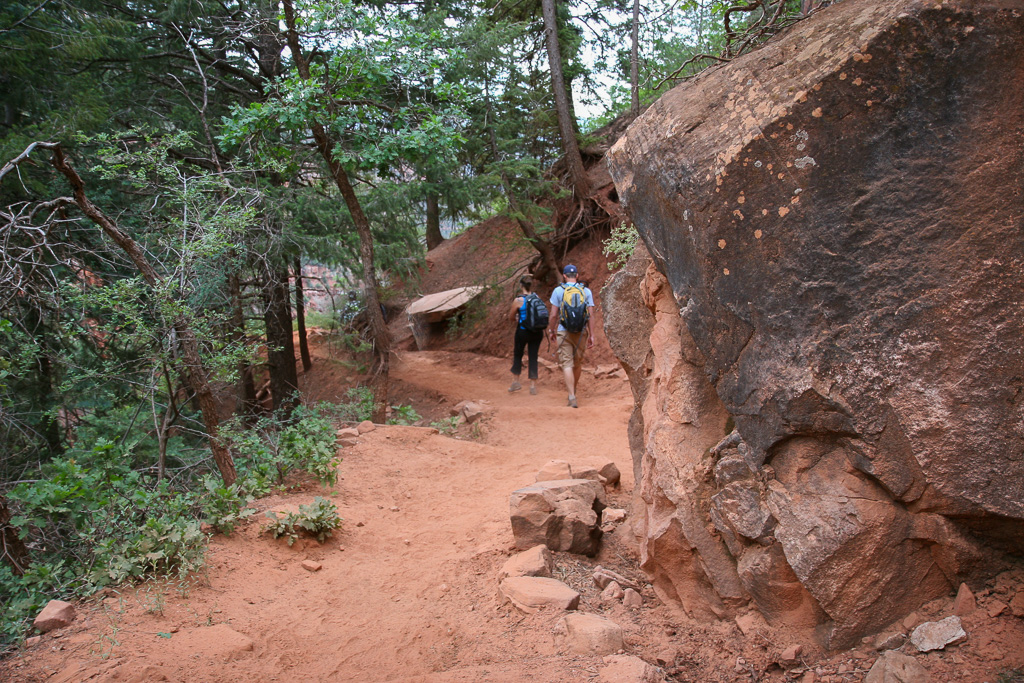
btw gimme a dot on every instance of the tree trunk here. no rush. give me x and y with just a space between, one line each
196 373
277 316
245 392
434 236
563 107
634 61
300 317
375 314
12 549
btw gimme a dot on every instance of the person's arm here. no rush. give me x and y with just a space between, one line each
553 313
517 305
590 331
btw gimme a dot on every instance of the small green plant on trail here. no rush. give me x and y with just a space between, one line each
448 425
620 245
318 519
1011 676
403 415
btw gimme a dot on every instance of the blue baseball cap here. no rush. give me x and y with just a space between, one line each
569 270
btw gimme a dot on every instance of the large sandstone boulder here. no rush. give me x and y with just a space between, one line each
561 514
837 228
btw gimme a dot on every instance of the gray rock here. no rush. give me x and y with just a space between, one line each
561 514
935 635
739 510
889 640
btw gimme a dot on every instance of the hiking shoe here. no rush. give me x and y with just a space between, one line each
533 390
572 402
515 386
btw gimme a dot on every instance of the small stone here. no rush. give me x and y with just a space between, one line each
996 608
537 561
341 548
612 516
365 427
746 623
666 658
56 614
347 432
965 603
394 508
612 592
611 474
360 524
602 577
935 635
896 667
530 593
631 599
311 566
348 443
809 677
629 669
34 640
407 541
1017 604
790 657
589 634
889 640
555 470
912 620
471 411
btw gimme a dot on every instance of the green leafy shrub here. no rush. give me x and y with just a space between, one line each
403 415
318 518
270 450
620 245
91 521
225 506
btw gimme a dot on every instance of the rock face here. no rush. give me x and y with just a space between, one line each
561 514
837 228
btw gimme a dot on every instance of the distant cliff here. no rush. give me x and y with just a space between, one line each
837 225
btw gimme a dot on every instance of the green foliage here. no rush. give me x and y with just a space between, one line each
225 506
403 415
270 450
448 425
93 522
620 245
1011 676
318 519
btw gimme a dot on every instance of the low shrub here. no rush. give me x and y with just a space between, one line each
318 518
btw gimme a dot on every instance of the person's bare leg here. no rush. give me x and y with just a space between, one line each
570 382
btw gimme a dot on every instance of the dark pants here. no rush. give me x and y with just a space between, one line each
530 340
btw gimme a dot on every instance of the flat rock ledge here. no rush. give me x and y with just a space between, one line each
531 593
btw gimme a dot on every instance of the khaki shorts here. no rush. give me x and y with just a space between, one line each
571 347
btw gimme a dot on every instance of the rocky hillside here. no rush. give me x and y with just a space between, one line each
836 223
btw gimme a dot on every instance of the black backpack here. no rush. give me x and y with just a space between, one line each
573 313
536 313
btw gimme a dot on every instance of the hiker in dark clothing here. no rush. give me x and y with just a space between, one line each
527 337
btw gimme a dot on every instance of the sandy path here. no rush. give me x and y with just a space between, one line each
407 590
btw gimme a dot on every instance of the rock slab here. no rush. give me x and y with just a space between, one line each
531 593
935 635
629 669
537 561
589 634
895 667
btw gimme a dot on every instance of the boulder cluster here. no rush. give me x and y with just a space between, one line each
566 511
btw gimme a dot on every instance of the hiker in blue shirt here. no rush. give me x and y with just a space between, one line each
531 319
571 306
